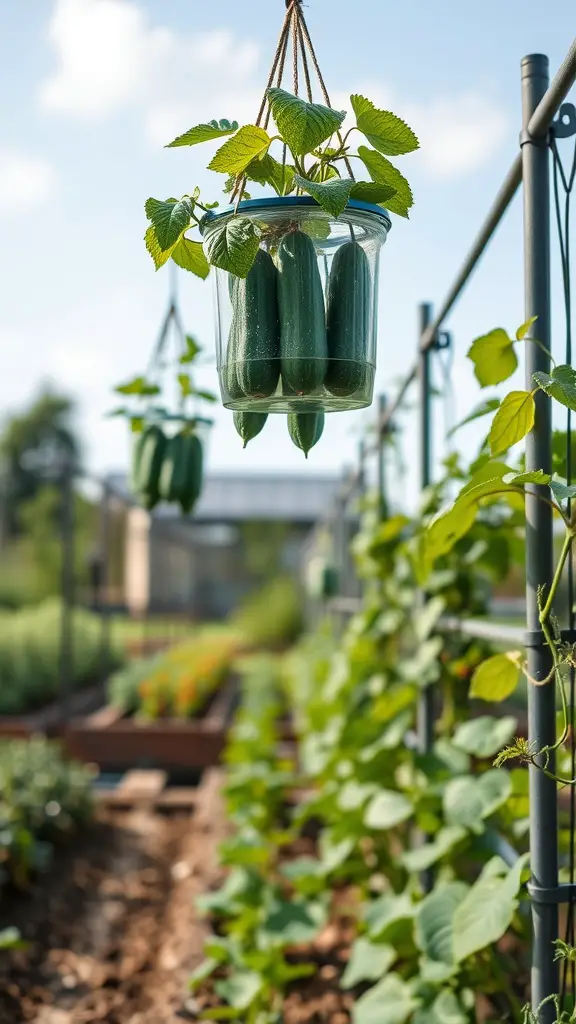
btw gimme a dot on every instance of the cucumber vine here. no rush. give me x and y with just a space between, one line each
311 153
495 360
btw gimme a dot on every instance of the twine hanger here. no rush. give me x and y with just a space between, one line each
295 28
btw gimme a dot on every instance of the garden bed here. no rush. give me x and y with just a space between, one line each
112 929
110 737
51 719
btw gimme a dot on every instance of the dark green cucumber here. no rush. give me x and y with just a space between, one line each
348 320
305 429
172 484
255 332
229 374
136 458
303 342
249 424
150 466
194 460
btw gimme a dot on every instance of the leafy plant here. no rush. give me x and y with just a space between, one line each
314 159
30 655
43 799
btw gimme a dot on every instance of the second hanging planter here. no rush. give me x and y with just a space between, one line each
298 334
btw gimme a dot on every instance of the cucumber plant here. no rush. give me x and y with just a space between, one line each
492 480
313 154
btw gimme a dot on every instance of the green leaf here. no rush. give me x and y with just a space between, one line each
159 255
207 396
387 809
204 133
486 912
434 919
372 192
426 619
303 126
497 677
332 195
290 923
170 219
268 171
240 989
423 857
185 384
353 795
203 971
560 384
369 961
389 1002
514 419
190 256
447 1009
192 350
232 245
483 736
384 130
382 171
385 913
524 328
494 357
138 386
484 409
249 143
469 800
136 424
537 476
447 528
563 492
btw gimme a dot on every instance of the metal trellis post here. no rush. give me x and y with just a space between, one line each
425 705
67 580
380 448
539 550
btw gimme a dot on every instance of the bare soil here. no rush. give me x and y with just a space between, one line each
113 932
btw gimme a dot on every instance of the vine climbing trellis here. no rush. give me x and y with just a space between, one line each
548 122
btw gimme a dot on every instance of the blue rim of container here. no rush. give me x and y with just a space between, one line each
269 202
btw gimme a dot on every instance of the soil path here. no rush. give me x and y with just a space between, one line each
113 929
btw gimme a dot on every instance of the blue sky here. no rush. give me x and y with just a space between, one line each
98 86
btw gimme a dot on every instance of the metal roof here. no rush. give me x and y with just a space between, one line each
237 497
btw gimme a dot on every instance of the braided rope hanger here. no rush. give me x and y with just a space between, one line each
295 27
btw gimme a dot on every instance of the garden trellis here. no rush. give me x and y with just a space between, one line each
546 121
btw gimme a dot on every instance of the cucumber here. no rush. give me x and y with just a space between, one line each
305 429
229 374
255 334
194 461
348 320
172 482
303 342
150 466
136 459
249 424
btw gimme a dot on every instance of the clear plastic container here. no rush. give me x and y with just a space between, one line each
304 338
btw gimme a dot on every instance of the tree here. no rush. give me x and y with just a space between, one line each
43 430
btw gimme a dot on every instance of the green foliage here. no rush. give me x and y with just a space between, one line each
44 799
313 150
31 445
30 655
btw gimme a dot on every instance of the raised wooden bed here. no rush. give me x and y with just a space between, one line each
109 737
51 720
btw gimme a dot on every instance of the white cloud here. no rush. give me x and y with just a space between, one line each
457 133
26 182
110 58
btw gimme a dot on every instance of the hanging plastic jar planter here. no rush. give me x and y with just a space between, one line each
169 443
298 334
296 272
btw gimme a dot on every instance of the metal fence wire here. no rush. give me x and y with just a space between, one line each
547 121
